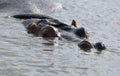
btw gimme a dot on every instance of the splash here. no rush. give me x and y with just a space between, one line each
29 6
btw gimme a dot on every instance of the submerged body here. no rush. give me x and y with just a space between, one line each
49 27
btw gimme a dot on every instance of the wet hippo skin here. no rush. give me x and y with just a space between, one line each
50 27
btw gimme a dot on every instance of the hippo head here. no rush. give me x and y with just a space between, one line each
85 45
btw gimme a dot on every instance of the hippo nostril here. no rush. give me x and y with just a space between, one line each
85 45
99 46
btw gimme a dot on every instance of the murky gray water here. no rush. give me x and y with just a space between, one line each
22 54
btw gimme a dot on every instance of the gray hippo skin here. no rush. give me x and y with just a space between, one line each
46 26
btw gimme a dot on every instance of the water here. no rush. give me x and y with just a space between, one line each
22 54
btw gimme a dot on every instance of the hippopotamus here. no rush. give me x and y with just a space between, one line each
45 26
49 21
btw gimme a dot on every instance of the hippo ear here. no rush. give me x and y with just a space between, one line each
74 23
31 25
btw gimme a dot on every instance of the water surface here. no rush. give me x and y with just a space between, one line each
22 54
